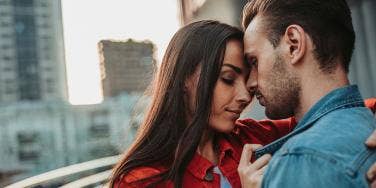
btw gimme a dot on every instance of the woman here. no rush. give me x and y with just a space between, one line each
181 139
189 137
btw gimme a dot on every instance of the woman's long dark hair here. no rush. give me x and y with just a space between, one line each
165 137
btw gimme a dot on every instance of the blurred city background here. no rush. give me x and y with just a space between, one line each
73 75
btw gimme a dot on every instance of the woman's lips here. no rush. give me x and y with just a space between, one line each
235 113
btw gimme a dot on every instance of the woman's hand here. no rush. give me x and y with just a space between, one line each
371 174
251 174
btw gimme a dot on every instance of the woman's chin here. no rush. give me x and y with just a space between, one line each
226 128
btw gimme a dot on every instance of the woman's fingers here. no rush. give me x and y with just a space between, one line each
251 174
371 141
246 156
260 162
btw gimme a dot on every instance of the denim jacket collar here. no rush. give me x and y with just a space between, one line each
344 97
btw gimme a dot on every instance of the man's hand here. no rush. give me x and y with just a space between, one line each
251 174
371 174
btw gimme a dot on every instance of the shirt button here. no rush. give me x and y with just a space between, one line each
209 176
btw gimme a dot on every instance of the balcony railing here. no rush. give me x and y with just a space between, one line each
87 174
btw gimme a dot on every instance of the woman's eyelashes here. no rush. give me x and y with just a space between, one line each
228 77
228 81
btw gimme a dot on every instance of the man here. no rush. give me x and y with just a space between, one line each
300 52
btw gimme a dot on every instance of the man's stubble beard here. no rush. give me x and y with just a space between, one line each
282 92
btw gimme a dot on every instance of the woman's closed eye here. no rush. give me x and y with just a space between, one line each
228 77
228 81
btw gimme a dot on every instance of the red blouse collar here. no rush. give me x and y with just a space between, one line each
199 166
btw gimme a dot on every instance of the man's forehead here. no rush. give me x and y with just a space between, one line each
256 25
253 33
251 39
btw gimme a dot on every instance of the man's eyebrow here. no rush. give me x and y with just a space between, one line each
235 68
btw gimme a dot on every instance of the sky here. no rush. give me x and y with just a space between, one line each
86 22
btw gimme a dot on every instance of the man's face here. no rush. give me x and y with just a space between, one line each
275 86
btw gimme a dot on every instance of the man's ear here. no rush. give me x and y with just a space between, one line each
296 43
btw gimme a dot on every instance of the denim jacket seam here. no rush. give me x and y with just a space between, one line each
343 105
349 169
319 156
308 152
359 160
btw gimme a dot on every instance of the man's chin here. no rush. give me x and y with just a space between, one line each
276 115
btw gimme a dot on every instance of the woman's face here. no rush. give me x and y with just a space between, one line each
230 95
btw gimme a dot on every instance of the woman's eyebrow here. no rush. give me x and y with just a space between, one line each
235 68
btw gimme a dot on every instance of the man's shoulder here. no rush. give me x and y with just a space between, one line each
338 133
347 119
335 142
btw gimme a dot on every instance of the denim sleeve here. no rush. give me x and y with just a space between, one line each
308 171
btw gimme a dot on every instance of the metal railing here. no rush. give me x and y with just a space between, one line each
95 179
60 174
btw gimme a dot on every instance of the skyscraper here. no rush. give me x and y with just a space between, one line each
32 64
125 66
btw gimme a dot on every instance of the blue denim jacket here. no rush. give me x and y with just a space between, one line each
326 148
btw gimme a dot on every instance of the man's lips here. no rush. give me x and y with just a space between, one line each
258 95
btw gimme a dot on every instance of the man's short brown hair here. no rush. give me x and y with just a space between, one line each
327 22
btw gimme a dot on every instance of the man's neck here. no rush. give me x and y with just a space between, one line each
314 86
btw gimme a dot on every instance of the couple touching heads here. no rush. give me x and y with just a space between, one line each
295 63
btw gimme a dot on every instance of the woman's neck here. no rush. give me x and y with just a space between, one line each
207 147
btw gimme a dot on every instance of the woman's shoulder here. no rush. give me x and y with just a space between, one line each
140 173
140 176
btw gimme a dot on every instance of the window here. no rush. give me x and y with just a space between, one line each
99 131
50 85
2 3
99 124
45 16
5 24
23 3
44 4
28 63
28 142
28 137
3 13
8 69
7 58
6 35
44 25
105 150
9 86
5 46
